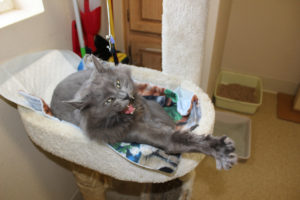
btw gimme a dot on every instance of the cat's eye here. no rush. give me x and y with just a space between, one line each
109 100
118 84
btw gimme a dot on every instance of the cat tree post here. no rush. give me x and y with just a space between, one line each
183 33
96 186
92 184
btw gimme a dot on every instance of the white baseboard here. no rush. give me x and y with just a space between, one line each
276 86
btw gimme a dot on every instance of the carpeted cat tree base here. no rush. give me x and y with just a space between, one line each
96 186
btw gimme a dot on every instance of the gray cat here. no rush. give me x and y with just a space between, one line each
105 104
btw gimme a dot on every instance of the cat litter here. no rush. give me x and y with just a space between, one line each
238 92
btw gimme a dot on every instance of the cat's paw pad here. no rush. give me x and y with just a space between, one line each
226 162
225 158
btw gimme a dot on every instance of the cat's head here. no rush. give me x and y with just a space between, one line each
108 92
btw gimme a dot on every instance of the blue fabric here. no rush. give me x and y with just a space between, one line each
194 117
80 66
184 100
147 156
159 99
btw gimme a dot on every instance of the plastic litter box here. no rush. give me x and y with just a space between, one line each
238 128
227 78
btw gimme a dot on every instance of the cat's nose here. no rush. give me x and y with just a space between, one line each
131 98
128 97
125 96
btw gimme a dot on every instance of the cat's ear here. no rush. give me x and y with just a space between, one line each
100 65
78 103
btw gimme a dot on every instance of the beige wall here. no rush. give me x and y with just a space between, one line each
218 17
51 29
263 40
25 172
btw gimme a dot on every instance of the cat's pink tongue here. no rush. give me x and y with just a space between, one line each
129 110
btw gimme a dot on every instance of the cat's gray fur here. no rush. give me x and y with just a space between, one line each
82 99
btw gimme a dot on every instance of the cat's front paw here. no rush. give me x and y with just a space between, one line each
224 153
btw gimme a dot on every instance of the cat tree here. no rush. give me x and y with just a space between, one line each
96 166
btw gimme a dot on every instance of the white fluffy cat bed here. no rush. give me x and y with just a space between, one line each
67 141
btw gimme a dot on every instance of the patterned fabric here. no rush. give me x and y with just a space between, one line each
168 99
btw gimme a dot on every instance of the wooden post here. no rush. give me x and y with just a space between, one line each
95 186
92 184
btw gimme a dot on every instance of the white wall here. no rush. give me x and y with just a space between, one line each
25 172
263 40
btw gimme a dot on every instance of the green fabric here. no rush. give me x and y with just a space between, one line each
170 94
172 112
121 148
